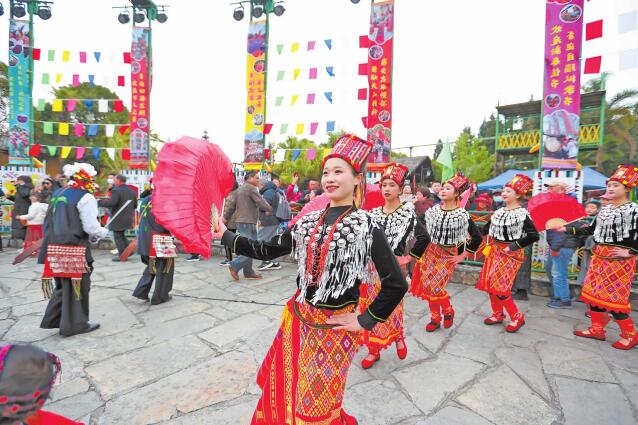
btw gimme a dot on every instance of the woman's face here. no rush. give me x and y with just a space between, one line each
509 195
338 180
616 190
407 190
390 190
419 196
447 193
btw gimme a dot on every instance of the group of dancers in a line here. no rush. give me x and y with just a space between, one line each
352 267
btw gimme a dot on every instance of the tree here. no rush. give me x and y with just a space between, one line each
472 157
395 155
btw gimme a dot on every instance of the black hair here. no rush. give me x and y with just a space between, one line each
37 194
121 178
250 174
424 191
26 179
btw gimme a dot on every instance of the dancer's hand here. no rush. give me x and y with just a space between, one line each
345 322
621 252
561 229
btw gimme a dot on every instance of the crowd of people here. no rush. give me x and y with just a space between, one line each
355 267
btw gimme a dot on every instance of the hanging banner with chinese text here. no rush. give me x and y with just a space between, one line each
140 99
19 93
256 96
561 95
379 121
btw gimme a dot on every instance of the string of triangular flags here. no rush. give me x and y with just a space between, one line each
82 56
103 105
300 128
310 45
49 79
280 155
310 98
628 59
80 129
313 73
54 151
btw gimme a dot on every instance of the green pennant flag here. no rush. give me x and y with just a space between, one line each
47 128
41 104
445 159
280 48
283 129
52 149
45 79
279 100
280 75
51 55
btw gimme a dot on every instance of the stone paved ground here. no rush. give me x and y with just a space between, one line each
194 359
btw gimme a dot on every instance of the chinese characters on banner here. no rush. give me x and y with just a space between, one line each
140 99
255 77
20 93
561 96
380 81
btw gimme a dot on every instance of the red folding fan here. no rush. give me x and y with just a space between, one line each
552 210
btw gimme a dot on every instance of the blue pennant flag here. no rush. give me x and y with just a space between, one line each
92 80
329 96
330 70
295 154
97 56
96 153
88 104
93 130
330 126
329 43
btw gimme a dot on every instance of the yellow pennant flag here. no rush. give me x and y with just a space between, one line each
66 56
66 150
294 99
58 78
153 165
63 130
296 73
299 130
294 47
57 105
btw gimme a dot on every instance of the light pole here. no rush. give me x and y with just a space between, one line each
257 9
19 9
145 10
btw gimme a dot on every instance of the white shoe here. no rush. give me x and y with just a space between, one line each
114 251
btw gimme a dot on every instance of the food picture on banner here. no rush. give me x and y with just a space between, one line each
258 119
19 40
382 20
138 49
560 138
253 147
552 101
19 140
384 116
376 52
571 13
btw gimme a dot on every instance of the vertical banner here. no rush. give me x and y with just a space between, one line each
380 81
255 99
19 93
140 99
561 95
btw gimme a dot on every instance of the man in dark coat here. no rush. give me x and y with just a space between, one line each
160 266
268 221
124 221
21 203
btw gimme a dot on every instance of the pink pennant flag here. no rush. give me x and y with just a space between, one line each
312 74
364 120
76 80
310 99
70 105
311 45
78 130
79 152
363 94
82 57
121 81
312 153
127 57
313 129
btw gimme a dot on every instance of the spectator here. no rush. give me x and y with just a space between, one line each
591 207
497 200
48 187
312 186
21 203
293 194
246 213
269 223
228 218
435 188
120 194
314 194
110 183
482 203
423 201
27 376
407 195
35 219
562 247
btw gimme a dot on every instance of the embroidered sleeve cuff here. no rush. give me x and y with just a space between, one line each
367 321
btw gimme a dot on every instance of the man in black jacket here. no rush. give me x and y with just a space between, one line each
123 222
21 203
268 221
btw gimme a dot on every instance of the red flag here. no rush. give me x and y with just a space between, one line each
126 154
363 41
127 57
594 30
363 94
267 128
118 106
35 150
120 81
363 69
592 65
123 129
36 54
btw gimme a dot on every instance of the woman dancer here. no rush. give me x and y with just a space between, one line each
304 373
608 281
509 230
449 227
401 226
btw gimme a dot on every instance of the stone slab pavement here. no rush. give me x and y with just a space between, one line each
194 359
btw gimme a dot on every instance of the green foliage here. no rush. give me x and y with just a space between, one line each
472 157
395 155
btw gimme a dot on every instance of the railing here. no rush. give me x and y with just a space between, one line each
589 136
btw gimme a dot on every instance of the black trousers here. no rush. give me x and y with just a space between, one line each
64 310
229 251
120 240
163 281
523 278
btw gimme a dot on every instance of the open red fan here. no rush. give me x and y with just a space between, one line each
192 179
552 210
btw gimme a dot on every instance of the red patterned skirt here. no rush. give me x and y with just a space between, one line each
608 281
432 273
34 234
303 376
499 270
